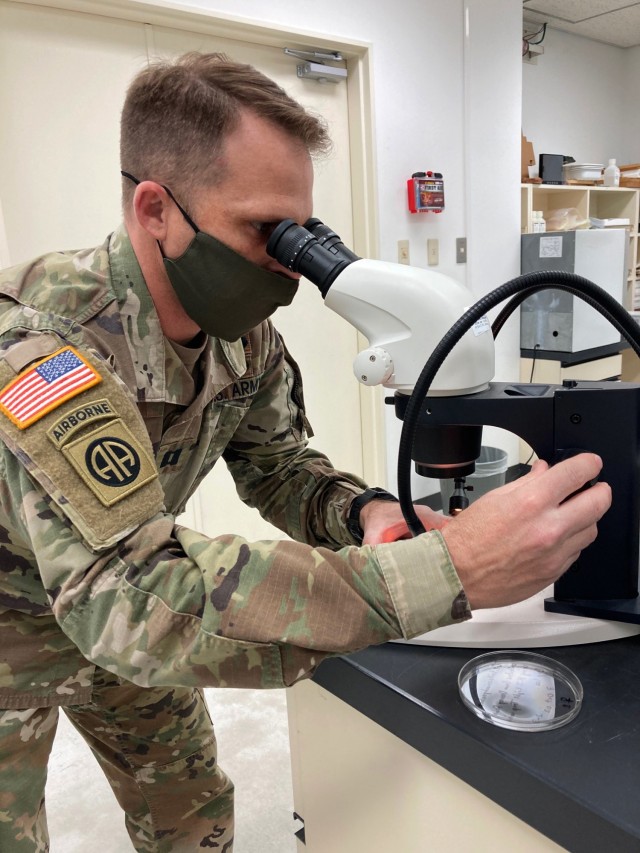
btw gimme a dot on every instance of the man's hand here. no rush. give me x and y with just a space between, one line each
517 539
382 521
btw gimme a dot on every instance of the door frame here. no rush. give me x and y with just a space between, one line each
361 140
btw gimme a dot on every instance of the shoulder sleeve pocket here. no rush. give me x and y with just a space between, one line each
77 431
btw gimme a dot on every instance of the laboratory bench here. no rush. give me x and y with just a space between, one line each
386 757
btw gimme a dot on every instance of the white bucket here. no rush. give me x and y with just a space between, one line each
491 469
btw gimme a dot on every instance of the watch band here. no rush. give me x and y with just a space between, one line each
353 518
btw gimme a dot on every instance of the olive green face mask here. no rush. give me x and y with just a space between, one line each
224 293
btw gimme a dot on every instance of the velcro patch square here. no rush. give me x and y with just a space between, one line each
46 385
111 461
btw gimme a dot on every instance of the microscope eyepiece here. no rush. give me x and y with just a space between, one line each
329 239
286 241
297 249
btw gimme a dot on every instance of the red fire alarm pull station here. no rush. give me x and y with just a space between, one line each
425 192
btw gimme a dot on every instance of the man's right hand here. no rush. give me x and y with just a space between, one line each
518 539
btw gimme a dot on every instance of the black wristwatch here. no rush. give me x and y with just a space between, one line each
353 519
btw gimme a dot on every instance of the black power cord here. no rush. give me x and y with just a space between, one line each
527 39
517 290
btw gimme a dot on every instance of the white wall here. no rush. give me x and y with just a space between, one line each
417 74
491 107
577 99
631 118
493 99
432 85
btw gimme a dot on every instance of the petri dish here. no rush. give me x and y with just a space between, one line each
519 690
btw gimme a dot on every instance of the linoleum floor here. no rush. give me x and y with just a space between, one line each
253 746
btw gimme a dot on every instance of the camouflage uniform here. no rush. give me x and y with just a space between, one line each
109 608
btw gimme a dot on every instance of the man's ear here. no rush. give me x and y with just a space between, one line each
153 208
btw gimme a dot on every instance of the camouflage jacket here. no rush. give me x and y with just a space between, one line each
104 435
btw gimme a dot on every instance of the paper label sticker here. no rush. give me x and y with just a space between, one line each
481 326
551 246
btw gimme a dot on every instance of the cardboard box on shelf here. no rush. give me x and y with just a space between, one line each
528 158
630 175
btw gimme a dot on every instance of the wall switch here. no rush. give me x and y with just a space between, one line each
403 251
461 250
433 253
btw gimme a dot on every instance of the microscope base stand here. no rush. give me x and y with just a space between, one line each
619 609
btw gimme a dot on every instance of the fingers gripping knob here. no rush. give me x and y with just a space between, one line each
373 366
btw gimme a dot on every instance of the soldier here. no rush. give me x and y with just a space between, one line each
126 372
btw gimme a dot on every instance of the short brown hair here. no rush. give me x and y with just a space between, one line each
177 113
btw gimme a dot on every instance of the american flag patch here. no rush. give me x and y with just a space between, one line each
46 385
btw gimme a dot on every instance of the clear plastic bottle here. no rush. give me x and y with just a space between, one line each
612 175
538 225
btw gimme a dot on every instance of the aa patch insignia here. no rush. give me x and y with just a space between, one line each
111 461
46 385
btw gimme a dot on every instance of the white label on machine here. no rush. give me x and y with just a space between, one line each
481 326
551 247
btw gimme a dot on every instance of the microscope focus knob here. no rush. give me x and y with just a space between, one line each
373 366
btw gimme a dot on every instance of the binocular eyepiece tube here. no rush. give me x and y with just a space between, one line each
312 249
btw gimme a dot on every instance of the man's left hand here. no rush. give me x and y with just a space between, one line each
382 521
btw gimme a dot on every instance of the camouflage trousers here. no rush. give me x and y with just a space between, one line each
158 750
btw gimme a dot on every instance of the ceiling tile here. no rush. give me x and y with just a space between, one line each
621 28
574 10
610 21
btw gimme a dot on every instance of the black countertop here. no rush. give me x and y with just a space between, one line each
579 784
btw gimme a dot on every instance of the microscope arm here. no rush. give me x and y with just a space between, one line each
403 312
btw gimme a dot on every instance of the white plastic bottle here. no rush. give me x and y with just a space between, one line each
612 175
538 225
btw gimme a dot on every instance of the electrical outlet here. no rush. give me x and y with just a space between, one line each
433 252
403 251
